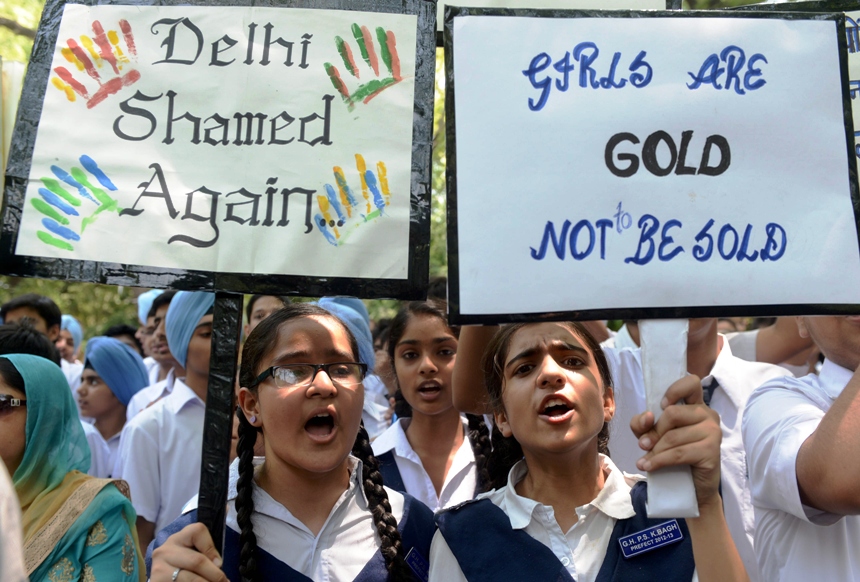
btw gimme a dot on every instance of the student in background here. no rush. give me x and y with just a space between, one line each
70 339
431 452
127 335
113 373
160 448
563 510
259 308
802 437
314 508
22 338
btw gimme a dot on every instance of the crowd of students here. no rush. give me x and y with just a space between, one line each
410 449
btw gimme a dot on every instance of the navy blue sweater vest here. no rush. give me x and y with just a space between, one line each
416 529
488 549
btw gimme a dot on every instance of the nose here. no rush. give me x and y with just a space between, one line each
551 374
321 385
427 366
82 390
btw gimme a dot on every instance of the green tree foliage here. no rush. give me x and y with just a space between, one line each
18 21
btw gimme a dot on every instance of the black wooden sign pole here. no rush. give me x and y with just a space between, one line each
218 425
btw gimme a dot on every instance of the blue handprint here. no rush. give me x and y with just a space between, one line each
61 207
341 212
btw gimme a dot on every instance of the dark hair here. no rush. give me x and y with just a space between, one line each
506 450
257 346
42 305
126 330
438 288
11 376
160 301
249 309
23 338
478 434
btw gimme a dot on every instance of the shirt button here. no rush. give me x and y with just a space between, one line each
565 561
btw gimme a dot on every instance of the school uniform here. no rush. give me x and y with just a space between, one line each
502 536
160 453
345 549
376 407
403 471
795 542
150 394
103 452
727 389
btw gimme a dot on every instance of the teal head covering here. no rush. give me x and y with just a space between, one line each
184 314
71 325
54 442
144 304
119 366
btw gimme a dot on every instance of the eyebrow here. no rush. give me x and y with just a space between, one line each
554 345
208 323
435 340
287 356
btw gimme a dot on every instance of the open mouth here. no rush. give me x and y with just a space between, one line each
320 425
556 408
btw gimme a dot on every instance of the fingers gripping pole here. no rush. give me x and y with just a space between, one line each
671 492
218 425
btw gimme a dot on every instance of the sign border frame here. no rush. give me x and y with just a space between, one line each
457 317
23 143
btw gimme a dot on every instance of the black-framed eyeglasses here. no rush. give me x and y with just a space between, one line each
7 402
293 375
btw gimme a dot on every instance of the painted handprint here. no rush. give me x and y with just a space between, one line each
341 211
67 214
89 56
372 87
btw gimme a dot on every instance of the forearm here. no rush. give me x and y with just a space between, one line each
468 377
781 341
717 558
145 533
828 463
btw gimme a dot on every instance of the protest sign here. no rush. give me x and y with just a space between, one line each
240 148
633 179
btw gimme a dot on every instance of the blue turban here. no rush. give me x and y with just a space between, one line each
357 325
184 314
71 325
119 366
144 304
353 303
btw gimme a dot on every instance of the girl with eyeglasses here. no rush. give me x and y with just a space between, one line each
431 451
315 507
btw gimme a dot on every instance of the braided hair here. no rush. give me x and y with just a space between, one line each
506 451
257 347
478 434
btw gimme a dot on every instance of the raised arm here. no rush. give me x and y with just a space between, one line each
468 379
691 435
780 342
828 463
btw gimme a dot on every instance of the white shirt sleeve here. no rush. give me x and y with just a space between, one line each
140 466
443 565
776 423
11 556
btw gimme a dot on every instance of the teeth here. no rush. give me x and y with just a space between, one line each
555 402
322 415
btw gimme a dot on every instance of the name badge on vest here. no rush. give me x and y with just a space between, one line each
418 565
660 535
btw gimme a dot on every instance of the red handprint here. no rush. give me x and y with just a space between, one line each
89 55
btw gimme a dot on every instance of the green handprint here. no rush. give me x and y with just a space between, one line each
342 207
60 206
366 91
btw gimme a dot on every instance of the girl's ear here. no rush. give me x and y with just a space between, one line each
608 403
802 330
502 423
250 405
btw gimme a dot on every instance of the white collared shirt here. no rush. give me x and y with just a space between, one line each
790 541
737 379
103 452
345 543
149 395
160 453
460 481
581 550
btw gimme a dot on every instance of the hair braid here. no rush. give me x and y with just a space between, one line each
479 438
377 499
245 500
505 454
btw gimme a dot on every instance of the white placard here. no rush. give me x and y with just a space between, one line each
754 209
555 4
230 139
